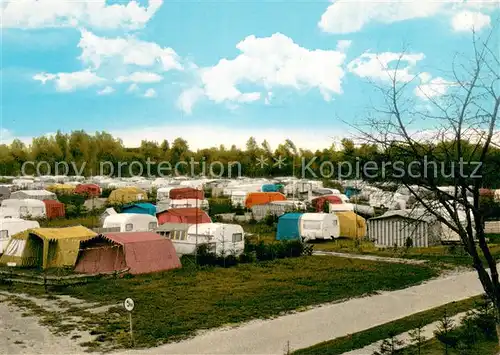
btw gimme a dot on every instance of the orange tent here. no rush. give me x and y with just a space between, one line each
262 198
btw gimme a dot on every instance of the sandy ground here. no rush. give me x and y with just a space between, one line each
23 335
327 322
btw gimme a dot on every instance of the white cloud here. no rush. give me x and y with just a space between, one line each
130 50
71 81
343 45
188 98
106 91
140 77
377 66
30 14
269 62
468 20
348 16
150 93
133 88
432 88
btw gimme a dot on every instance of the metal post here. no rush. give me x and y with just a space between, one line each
131 329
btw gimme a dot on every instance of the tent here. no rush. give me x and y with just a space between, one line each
54 209
351 224
288 227
140 208
270 188
61 188
13 226
186 193
92 190
46 247
183 215
140 253
262 198
127 195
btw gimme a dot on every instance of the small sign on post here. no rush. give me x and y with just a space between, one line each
129 306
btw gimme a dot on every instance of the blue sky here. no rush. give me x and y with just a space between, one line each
162 69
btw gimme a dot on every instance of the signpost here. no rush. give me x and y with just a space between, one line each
129 306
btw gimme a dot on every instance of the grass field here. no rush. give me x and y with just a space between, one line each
175 304
434 347
360 340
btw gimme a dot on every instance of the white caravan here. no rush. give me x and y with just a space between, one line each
131 222
26 208
188 203
11 226
319 226
223 239
238 198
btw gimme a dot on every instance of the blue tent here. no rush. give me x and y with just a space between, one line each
288 227
351 191
140 208
270 188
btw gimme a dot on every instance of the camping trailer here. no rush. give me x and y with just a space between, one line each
26 207
223 239
131 222
12 226
318 226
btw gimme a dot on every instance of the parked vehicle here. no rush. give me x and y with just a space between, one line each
11 226
26 208
318 226
131 222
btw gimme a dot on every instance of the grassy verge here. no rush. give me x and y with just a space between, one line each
176 304
434 347
372 335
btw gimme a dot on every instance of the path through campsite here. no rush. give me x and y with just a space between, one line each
304 329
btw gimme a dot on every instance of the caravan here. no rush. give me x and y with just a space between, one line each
222 239
26 208
131 222
12 226
319 226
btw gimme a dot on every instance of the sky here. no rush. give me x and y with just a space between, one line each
218 72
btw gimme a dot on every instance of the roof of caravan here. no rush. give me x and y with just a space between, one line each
122 217
316 216
36 192
23 202
209 227
167 227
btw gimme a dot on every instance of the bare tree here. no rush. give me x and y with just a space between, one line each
445 141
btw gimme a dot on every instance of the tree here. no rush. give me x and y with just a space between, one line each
461 114
417 338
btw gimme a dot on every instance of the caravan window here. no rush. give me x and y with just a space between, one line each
129 227
179 235
23 209
312 224
237 237
4 234
152 225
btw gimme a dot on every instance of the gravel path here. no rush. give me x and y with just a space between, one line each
371 257
327 322
24 335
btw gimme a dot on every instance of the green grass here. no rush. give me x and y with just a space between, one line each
175 304
372 335
434 347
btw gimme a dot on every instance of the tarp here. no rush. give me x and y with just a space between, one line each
186 193
127 195
288 226
261 198
183 215
46 247
54 209
270 188
140 253
351 225
140 208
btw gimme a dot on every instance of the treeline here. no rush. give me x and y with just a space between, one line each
85 154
